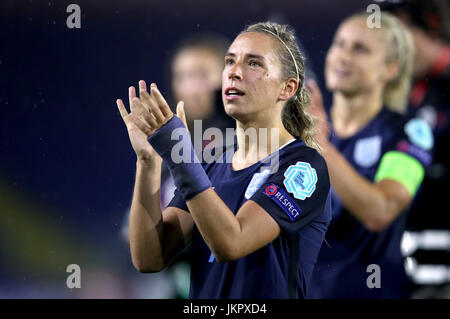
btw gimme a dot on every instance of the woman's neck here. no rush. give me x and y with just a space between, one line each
349 114
258 139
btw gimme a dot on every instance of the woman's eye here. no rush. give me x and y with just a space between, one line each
228 61
361 49
254 63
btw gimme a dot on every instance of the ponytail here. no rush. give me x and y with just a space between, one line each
400 49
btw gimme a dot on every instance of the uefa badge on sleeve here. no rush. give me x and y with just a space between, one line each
300 180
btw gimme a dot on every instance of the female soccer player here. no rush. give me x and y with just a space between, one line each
255 232
376 159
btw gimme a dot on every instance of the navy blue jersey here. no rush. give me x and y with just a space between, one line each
296 196
342 268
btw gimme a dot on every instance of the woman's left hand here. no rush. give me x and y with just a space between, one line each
318 111
155 104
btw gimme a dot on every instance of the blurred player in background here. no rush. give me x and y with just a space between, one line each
196 70
427 240
376 159
196 76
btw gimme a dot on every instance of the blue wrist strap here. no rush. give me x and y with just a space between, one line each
188 174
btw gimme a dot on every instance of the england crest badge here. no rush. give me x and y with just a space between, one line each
257 180
367 151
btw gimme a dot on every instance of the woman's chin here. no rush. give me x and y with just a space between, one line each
343 88
233 111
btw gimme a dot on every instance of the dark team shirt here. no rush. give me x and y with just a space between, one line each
342 268
430 100
297 196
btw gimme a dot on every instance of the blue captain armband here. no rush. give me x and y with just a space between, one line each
187 172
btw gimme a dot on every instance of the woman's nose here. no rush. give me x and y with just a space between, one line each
235 72
343 55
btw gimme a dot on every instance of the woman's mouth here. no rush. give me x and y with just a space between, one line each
341 73
232 94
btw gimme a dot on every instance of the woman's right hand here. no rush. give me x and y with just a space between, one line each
137 126
318 111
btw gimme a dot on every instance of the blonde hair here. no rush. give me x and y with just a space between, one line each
400 47
297 121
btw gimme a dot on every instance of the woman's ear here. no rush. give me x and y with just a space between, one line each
391 71
289 89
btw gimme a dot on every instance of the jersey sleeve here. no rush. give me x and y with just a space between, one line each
296 194
409 156
178 201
